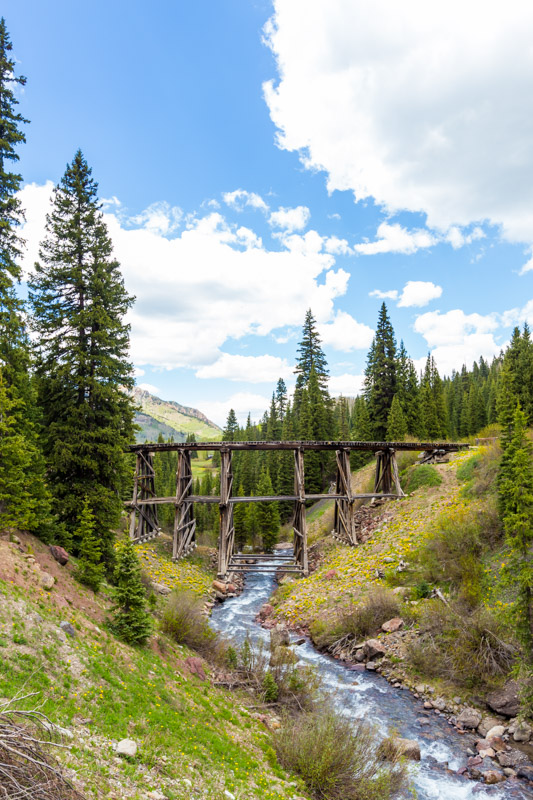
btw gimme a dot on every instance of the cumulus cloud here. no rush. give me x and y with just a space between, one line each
346 384
160 218
241 402
393 238
457 338
390 295
418 293
211 282
240 199
337 246
345 333
252 369
290 219
149 387
430 111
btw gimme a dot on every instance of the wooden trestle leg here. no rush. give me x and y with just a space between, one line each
227 530
387 473
184 522
144 524
300 522
344 520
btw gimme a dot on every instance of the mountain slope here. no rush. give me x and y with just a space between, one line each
157 416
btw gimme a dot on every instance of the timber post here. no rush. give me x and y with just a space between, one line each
144 524
300 521
387 472
344 518
227 529
184 523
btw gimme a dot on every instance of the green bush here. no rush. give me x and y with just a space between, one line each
367 617
270 688
465 471
419 476
184 621
130 621
466 647
337 759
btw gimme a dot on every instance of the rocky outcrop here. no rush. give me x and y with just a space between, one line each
469 718
60 554
505 700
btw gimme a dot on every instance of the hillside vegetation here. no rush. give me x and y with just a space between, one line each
171 419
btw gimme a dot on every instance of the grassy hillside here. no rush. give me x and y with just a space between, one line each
193 738
173 418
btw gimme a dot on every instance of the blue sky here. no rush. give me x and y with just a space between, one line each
258 158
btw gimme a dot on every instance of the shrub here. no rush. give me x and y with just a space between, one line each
419 476
270 688
183 620
131 622
337 759
379 606
468 648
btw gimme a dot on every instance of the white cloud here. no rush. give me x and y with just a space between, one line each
210 283
347 385
241 402
337 246
290 219
425 107
456 338
345 333
160 218
240 199
138 372
518 316
396 239
457 238
418 293
149 387
252 369
390 295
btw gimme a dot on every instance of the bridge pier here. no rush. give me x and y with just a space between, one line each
300 521
344 518
184 523
227 529
387 473
144 524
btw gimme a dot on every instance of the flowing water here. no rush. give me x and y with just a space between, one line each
443 750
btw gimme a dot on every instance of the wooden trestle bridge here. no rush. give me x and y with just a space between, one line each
143 507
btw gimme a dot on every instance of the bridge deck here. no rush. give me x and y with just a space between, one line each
373 447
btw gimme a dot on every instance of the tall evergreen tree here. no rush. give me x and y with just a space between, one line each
79 302
231 428
24 502
396 423
310 357
130 621
380 375
268 520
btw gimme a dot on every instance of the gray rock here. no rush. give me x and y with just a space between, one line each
469 718
495 732
374 649
525 772
279 637
371 665
126 747
47 581
160 588
408 748
486 724
522 732
439 704
505 700
69 629
511 758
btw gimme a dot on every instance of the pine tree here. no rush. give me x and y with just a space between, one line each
396 423
130 622
79 302
231 427
268 520
239 520
90 570
311 357
24 501
380 375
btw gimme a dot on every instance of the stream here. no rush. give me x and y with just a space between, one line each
374 699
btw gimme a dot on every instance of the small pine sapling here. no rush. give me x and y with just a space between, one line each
90 570
130 622
270 688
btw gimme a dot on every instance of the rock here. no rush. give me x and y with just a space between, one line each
371 665
282 655
486 724
279 637
331 574
511 758
69 629
126 747
408 748
359 655
497 744
495 732
229 795
488 753
474 761
509 772
160 588
373 649
392 625
402 591
420 688
157 795
505 700
525 771
196 667
218 586
36 618
266 611
439 704
231 588
428 704
469 718
522 732
60 554
389 560
423 721
47 581
298 642
492 776
14 538
482 744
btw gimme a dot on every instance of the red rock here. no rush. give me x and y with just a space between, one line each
196 667
265 611
492 776
473 761
60 554
219 586
330 574
392 625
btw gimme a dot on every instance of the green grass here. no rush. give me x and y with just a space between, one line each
419 476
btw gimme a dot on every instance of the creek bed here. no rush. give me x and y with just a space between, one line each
443 750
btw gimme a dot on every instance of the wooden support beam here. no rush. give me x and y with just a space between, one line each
344 518
184 522
300 522
227 530
372 447
144 524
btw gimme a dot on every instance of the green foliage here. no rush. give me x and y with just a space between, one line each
465 472
130 622
419 476
337 759
270 688
90 570
396 422
466 647
421 590
184 621
380 375
268 521
79 301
